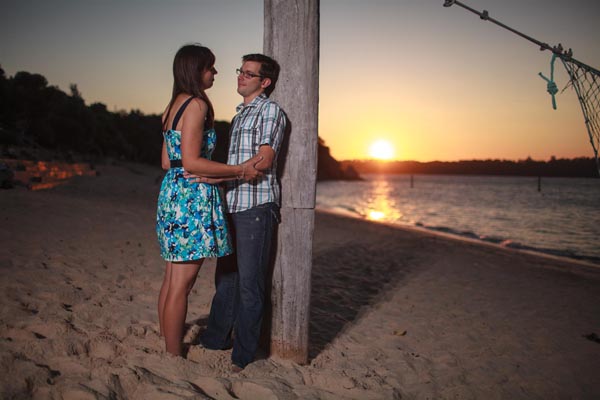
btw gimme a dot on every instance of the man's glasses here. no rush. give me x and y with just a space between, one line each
247 75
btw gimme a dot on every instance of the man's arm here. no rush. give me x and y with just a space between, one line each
272 130
268 155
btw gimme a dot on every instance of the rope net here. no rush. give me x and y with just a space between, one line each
586 83
584 79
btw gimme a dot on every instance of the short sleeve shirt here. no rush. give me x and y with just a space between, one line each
260 122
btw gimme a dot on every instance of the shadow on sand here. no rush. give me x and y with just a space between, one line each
346 281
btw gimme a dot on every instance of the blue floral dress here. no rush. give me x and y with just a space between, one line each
190 221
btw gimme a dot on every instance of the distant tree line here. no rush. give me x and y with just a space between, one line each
41 119
576 167
331 169
38 121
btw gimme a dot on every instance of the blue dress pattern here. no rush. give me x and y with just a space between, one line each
190 221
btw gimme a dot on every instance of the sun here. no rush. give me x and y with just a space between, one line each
381 150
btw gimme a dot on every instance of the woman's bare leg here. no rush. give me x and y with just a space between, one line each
162 297
183 276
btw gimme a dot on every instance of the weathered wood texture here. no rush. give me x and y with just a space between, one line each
290 294
291 36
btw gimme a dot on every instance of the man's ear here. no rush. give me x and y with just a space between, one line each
266 82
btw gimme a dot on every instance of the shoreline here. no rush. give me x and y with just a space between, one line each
455 236
42 175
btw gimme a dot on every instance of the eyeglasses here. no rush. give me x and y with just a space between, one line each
247 75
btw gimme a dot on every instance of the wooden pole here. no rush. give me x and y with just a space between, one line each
291 36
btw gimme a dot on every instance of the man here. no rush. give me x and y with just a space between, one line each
253 207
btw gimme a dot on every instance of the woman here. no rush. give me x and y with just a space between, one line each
190 222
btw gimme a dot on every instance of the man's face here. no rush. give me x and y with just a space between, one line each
252 85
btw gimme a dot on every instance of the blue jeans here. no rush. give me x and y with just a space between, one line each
238 304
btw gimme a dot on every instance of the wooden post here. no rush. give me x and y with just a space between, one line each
291 36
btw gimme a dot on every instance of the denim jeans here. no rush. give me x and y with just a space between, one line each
239 300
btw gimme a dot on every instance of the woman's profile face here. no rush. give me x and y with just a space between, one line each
208 77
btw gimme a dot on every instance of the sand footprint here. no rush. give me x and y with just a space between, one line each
152 384
27 375
104 346
47 329
253 390
215 388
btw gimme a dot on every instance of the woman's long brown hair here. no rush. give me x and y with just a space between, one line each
188 66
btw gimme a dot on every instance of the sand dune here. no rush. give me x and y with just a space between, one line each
395 313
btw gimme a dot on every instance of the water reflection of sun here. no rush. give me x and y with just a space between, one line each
376 215
381 204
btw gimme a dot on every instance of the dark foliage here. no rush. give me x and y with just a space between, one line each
36 116
331 169
576 167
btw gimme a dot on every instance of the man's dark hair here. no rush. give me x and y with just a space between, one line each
269 68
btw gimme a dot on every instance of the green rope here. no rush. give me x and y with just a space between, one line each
551 87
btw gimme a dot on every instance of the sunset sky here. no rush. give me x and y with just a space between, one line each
437 83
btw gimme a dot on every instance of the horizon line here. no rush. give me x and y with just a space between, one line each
528 158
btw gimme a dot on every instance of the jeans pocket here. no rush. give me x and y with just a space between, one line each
276 214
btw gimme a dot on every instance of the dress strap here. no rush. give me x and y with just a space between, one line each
180 112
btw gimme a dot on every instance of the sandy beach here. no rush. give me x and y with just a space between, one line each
396 313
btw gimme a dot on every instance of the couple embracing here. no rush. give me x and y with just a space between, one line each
194 221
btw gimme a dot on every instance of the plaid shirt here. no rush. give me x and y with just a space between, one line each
259 122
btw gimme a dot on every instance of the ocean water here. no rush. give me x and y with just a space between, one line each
563 218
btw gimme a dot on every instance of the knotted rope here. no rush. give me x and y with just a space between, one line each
551 85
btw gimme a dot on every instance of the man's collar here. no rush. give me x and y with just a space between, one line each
258 99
